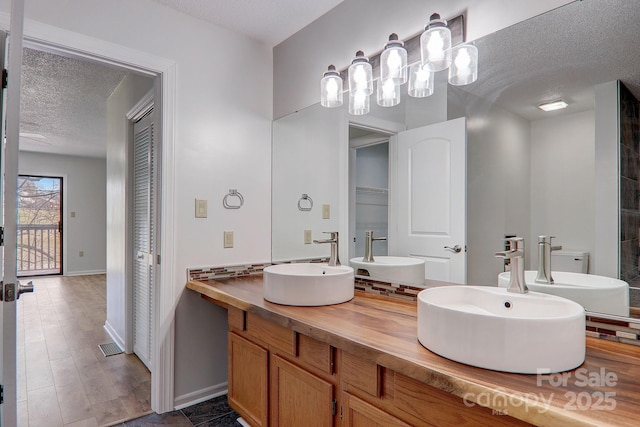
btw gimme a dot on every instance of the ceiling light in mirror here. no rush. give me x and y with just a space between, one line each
331 88
388 93
359 103
553 105
421 81
464 65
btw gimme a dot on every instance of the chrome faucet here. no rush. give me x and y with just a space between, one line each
544 259
516 254
368 245
333 240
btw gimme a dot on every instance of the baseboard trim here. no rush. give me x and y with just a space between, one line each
199 396
117 339
85 273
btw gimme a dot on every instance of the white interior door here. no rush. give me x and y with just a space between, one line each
8 190
430 192
143 237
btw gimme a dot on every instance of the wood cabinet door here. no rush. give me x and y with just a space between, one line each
299 398
358 413
248 380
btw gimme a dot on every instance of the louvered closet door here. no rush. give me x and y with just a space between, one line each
143 234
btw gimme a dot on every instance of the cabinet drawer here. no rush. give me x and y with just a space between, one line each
361 374
317 354
278 338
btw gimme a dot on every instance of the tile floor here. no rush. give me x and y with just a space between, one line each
212 413
63 378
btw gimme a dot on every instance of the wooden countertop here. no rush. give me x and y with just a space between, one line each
605 390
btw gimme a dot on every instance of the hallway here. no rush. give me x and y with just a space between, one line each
63 377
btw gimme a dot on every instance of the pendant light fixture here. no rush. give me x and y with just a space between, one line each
435 44
331 88
436 54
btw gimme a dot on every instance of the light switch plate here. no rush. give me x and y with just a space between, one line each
201 208
326 211
72 214
228 239
307 237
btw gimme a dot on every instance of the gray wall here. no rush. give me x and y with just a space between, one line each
84 192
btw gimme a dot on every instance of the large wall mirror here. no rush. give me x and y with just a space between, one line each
571 173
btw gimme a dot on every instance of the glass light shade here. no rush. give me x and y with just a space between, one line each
359 103
464 65
331 89
360 75
393 61
421 81
388 93
435 44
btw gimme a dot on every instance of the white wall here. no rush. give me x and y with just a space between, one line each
366 24
119 205
222 134
84 189
497 190
306 151
607 197
563 182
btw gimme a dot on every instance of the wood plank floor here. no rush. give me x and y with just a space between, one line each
63 378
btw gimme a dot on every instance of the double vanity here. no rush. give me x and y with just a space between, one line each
376 360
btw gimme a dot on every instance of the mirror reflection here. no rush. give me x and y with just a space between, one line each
528 173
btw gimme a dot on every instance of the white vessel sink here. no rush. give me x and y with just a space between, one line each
393 269
491 328
308 284
595 293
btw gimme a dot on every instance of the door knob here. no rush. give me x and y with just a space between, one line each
23 289
456 248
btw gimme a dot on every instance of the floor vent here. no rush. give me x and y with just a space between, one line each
109 349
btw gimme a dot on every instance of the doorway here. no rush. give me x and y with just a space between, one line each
39 250
80 325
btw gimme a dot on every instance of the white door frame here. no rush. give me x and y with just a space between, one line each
57 40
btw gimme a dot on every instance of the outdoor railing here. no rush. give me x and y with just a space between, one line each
38 249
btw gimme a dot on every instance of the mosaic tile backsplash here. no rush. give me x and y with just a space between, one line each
627 332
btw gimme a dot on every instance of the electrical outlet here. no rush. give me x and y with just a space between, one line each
307 237
326 211
81 254
228 239
201 208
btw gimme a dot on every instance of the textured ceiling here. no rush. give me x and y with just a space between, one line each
268 21
560 54
64 100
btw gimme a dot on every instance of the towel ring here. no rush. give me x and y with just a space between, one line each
305 197
236 194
